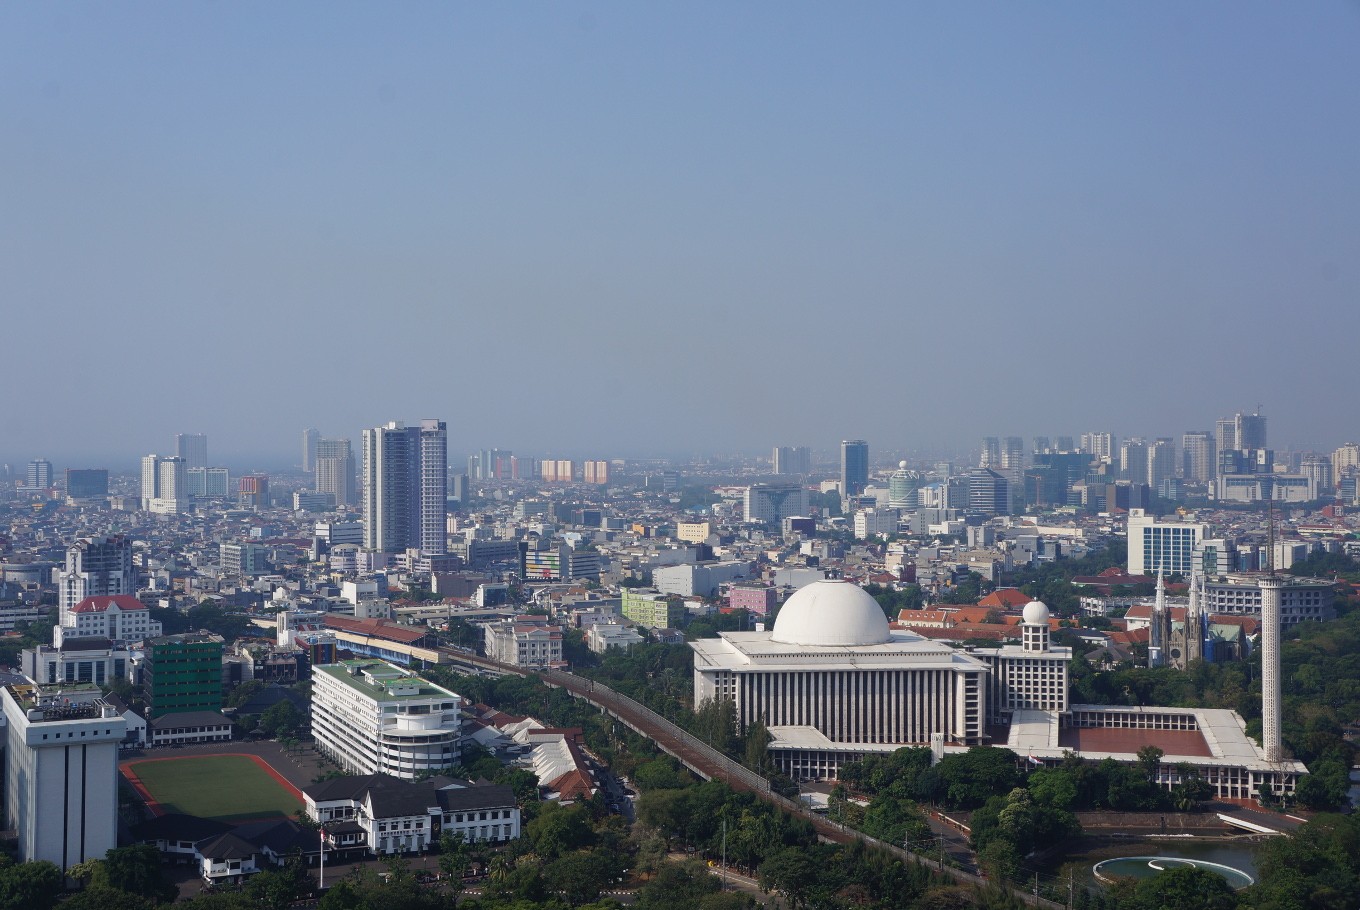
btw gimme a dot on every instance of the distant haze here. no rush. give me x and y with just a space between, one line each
635 228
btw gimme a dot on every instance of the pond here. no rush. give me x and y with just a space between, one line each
1236 854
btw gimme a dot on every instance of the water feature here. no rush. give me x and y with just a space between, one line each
1108 870
1237 853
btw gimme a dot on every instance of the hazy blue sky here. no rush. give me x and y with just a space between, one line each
615 229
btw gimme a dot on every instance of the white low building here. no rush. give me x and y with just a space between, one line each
525 641
600 637
117 617
372 717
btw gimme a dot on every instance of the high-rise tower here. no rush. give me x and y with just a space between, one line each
310 438
854 466
405 477
334 468
193 448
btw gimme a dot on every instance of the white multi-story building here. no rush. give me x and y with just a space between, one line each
1162 546
372 717
872 522
602 636
1259 487
95 566
770 503
1301 599
61 774
701 579
525 641
1031 676
335 533
241 560
117 617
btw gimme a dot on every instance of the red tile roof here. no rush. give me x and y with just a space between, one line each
375 628
1004 597
101 604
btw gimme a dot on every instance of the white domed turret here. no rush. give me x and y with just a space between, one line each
1035 613
831 613
1034 629
902 465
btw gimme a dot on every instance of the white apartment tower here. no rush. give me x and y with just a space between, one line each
405 478
333 463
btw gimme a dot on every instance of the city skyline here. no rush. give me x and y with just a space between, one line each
1125 211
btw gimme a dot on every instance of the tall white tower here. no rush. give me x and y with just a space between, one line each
1271 586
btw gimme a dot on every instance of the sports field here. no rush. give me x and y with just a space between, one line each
229 788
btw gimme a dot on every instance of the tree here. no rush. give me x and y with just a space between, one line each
1184 887
136 870
102 897
282 720
30 886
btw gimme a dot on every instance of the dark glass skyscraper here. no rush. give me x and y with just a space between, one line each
854 466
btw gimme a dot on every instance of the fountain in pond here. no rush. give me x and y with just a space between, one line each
1148 866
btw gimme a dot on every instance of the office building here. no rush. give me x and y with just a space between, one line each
207 483
770 503
95 567
192 448
1318 470
405 484
988 492
1199 459
61 773
182 673
372 717
1013 454
854 466
1162 546
1250 431
902 488
151 473
792 460
1300 599
310 438
87 483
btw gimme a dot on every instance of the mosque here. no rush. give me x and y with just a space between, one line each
832 682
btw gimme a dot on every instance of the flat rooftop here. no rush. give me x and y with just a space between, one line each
352 673
1123 739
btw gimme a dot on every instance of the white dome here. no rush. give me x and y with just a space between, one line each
1035 613
835 613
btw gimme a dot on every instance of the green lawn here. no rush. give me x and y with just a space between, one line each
225 787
